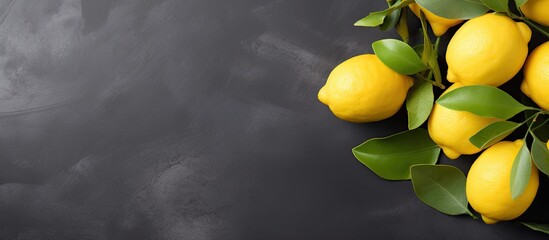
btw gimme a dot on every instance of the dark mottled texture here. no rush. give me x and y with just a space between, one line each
193 119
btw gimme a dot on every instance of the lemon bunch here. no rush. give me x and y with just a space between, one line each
486 51
490 50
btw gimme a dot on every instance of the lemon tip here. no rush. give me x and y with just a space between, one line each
439 29
525 31
488 220
450 153
525 88
451 76
323 96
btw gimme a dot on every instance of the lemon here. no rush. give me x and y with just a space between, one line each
439 24
451 129
488 186
536 76
536 10
489 49
363 89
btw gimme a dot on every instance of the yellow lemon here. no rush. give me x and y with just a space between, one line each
537 10
489 49
439 24
363 89
488 186
536 76
451 129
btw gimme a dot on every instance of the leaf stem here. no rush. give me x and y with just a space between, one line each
433 64
403 4
539 111
530 118
427 46
471 214
436 44
515 17
543 123
533 118
429 56
420 76
539 28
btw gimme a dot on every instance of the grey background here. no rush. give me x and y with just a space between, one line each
195 119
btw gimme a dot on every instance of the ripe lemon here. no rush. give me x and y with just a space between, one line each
536 10
488 186
451 129
439 24
489 49
536 76
363 89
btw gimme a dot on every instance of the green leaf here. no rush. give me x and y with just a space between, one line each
419 103
482 100
544 228
519 3
419 49
520 172
391 19
391 157
373 19
497 5
398 56
493 133
542 29
540 154
402 26
442 187
454 9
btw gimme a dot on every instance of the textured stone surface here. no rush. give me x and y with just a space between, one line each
194 119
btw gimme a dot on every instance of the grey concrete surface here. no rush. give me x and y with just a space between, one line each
194 119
